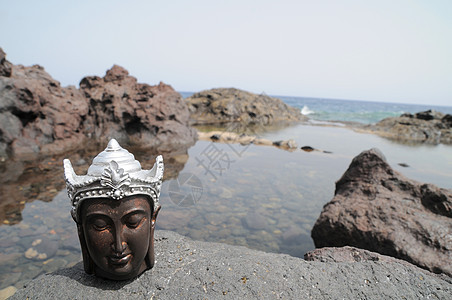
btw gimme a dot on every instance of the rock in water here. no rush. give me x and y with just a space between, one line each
429 126
255 221
378 209
7 292
224 105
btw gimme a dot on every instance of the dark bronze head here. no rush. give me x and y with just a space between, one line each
115 207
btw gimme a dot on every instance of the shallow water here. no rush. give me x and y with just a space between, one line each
256 196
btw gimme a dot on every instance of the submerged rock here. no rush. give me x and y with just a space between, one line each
224 105
244 139
428 126
378 209
199 270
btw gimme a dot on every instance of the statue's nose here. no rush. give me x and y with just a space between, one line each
119 245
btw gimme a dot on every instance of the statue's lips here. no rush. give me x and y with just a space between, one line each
120 260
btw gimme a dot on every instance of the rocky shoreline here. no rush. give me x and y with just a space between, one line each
430 127
38 116
201 270
226 105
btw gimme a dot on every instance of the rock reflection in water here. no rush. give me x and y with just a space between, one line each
25 181
40 236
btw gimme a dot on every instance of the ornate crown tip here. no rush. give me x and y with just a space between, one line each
113 145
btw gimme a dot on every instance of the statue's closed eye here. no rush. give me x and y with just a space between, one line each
134 220
100 224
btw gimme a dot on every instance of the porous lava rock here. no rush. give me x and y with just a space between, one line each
153 116
5 66
36 113
429 126
38 116
190 269
378 209
225 105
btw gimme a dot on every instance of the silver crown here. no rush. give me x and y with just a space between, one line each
114 174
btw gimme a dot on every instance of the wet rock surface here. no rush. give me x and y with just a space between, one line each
244 139
38 116
200 270
225 105
378 209
428 126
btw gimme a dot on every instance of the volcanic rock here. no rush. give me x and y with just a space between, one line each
429 126
39 116
200 270
153 116
349 254
224 105
244 139
5 66
378 209
36 113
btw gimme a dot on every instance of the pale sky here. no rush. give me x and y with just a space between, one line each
391 51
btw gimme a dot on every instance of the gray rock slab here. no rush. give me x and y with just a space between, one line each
187 269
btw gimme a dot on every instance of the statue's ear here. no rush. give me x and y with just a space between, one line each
150 257
88 263
154 216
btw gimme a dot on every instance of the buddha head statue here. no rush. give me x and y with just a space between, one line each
115 207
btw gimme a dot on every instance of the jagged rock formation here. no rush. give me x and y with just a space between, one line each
155 116
378 209
224 105
37 115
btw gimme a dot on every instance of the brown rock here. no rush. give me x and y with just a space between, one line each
225 105
38 116
378 209
35 111
5 66
244 139
154 116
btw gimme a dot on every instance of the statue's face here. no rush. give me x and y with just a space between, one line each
117 235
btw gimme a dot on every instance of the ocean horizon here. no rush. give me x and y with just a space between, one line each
343 110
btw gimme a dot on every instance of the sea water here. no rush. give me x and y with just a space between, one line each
355 111
366 112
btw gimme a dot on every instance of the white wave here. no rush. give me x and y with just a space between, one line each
306 111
